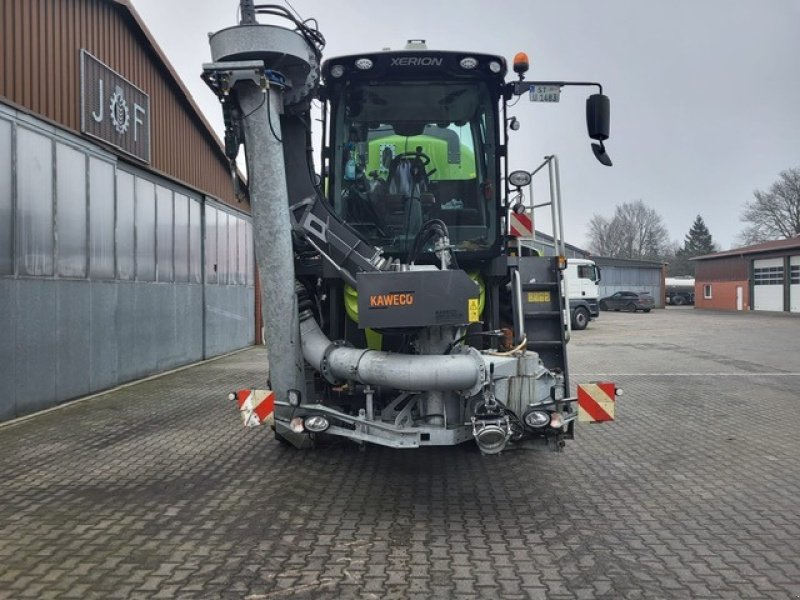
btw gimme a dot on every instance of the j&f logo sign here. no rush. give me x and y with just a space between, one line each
113 109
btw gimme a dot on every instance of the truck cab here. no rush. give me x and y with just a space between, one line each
414 136
582 278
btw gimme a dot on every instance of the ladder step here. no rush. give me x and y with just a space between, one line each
542 314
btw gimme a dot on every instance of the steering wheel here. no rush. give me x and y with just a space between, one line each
424 158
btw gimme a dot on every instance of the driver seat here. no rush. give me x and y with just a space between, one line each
407 181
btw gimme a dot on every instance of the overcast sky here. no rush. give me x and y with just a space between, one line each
705 94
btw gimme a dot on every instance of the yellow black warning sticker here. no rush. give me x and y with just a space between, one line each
539 296
472 310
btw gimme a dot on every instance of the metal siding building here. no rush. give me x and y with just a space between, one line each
621 274
123 249
546 246
760 277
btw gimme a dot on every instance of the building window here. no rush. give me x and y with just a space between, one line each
164 236
794 274
707 291
232 250
6 198
71 211
101 219
181 238
222 247
195 230
125 221
34 203
768 276
249 253
145 230
211 245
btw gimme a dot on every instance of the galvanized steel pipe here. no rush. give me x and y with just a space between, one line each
408 372
273 235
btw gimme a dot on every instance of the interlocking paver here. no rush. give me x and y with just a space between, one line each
155 490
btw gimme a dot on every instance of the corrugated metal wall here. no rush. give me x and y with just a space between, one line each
41 41
632 279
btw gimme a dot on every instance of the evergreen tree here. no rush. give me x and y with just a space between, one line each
697 242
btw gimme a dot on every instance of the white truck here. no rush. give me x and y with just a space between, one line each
582 278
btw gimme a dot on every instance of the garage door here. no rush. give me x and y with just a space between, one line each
794 283
768 284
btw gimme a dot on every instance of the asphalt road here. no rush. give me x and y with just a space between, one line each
156 491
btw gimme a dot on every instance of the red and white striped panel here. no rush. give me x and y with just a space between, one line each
520 225
256 406
596 401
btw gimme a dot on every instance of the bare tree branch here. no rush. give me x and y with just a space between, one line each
774 214
636 231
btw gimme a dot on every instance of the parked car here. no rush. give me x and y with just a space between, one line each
628 301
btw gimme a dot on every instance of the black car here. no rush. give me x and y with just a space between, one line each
628 301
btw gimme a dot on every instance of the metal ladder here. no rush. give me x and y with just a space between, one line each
540 298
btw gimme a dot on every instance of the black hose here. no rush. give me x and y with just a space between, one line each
430 229
312 35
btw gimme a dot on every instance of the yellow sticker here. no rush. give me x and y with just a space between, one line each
538 296
472 309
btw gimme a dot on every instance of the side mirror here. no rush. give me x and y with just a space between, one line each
598 118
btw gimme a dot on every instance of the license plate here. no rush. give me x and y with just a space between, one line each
545 93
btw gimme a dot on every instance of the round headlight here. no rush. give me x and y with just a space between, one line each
364 64
495 66
519 178
468 63
317 423
536 418
337 71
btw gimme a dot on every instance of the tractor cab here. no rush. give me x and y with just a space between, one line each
414 138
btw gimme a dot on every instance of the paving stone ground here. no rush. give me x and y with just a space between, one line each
156 491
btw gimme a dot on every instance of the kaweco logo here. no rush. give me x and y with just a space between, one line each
416 61
388 300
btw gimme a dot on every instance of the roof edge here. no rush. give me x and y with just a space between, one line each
770 246
151 40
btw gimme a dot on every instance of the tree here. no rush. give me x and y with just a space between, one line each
697 242
774 214
635 231
677 261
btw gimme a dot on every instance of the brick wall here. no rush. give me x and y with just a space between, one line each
723 294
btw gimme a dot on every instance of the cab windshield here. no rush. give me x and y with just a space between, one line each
408 153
